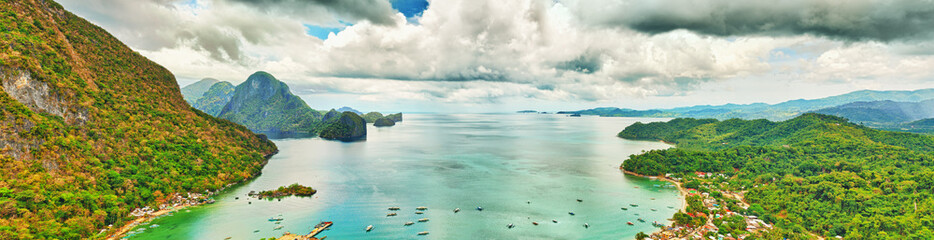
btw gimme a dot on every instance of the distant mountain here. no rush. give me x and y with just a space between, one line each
264 104
90 130
384 122
774 112
395 117
882 112
214 100
348 109
617 112
371 117
194 91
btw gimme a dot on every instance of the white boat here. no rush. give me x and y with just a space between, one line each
391 214
421 208
423 233
457 210
277 227
423 220
368 228
554 221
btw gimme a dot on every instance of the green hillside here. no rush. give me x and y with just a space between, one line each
264 104
814 173
194 91
90 129
214 100
882 112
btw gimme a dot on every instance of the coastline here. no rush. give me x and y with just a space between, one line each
122 230
681 191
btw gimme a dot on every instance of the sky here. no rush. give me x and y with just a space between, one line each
548 55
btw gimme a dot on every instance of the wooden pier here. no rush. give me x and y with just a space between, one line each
310 236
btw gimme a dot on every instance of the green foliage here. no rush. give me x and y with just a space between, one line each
264 104
292 190
215 98
813 173
371 117
138 142
196 90
348 127
384 122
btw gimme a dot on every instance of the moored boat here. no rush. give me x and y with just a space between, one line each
423 220
457 210
409 223
571 213
535 223
586 225
423 233
277 227
421 208
273 219
391 214
369 228
511 225
479 208
630 223
554 221
419 212
394 208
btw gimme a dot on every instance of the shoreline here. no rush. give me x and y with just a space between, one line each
681 191
122 230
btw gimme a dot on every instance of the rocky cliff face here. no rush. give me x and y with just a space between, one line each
38 96
384 122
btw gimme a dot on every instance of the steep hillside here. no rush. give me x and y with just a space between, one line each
214 100
814 173
882 112
348 127
264 104
194 91
90 130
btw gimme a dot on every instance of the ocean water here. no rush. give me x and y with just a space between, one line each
519 167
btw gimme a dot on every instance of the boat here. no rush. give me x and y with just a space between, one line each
393 208
390 214
256 231
634 205
654 209
277 227
580 200
535 223
574 115
228 238
419 212
671 207
586 225
421 208
571 213
409 223
510 225
423 220
554 221
624 208
479 208
630 223
641 220
368 228
274 219
457 210
652 198
423 233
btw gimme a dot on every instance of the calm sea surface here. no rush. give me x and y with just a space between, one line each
519 167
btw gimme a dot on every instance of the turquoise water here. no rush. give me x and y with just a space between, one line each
497 161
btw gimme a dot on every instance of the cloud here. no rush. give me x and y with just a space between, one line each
850 20
487 51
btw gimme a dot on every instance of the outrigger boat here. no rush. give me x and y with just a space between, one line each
391 214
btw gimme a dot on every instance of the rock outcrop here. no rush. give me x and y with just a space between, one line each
384 122
348 127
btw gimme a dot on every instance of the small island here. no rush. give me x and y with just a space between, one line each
281 192
384 122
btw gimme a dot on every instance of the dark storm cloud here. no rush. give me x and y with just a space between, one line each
854 20
376 11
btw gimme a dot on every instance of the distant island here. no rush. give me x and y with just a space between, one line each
291 190
527 111
789 177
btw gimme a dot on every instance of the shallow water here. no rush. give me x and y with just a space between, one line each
497 161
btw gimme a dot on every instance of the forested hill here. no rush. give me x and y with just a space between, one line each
814 173
90 130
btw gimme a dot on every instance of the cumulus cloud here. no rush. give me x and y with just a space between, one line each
485 51
851 20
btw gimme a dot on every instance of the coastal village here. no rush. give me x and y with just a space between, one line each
714 207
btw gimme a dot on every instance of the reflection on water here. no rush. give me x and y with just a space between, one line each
519 168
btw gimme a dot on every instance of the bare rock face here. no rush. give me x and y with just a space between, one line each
36 95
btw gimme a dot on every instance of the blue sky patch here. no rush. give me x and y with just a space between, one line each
410 8
321 32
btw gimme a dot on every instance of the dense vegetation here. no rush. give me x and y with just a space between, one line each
371 117
292 190
215 98
194 91
814 173
118 135
264 104
384 122
618 112
348 127
395 117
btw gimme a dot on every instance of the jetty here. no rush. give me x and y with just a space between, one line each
310 236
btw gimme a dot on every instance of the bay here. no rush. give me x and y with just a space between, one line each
519 167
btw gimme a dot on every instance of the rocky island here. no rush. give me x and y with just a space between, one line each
291 190
348 127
